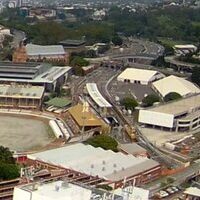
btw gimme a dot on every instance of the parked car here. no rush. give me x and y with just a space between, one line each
170 190
163 194
175 189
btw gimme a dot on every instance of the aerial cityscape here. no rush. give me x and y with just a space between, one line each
99 100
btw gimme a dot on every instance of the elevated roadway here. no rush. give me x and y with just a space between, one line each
173 61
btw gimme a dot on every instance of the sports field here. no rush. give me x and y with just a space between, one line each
24 133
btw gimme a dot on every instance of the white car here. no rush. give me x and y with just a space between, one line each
175 189
170 190
163 194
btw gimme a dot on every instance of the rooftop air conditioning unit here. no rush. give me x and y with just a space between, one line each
57 188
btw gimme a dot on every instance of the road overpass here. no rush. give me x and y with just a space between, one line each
173 61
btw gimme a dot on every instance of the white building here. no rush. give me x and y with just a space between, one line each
59 190
175 84
133 193
181 115
139 76
192 193
184 49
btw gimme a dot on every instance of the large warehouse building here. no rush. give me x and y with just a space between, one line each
139 76
181 115
33 52
175 84
96 162
21 96
34 73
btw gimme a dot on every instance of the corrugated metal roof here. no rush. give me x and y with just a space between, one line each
35 50
21 91
96 161
177 107
96 96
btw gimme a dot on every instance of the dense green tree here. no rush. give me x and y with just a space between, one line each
103 49
6 155
79 61
129 103
8 168
195 77
104 141
116 40
172 96
8 171
150 99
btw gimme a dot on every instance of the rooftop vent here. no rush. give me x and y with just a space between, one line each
92 166
65 184
57 188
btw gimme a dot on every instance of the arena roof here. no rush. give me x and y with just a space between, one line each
137 74
175 84
31 73
180 106
21 91
96 96
96 161
35 50
84 118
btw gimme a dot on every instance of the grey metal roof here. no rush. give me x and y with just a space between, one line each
21 91
31 73
131 148
96 161
133 170
35 50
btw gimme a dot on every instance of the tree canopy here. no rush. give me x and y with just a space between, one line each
150 99
79 61
129 103
195 77
104 141
116 40
172 96
153 24
8 168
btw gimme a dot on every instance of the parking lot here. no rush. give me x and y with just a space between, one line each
122 89
170 193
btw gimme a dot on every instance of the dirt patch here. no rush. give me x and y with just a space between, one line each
24 133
